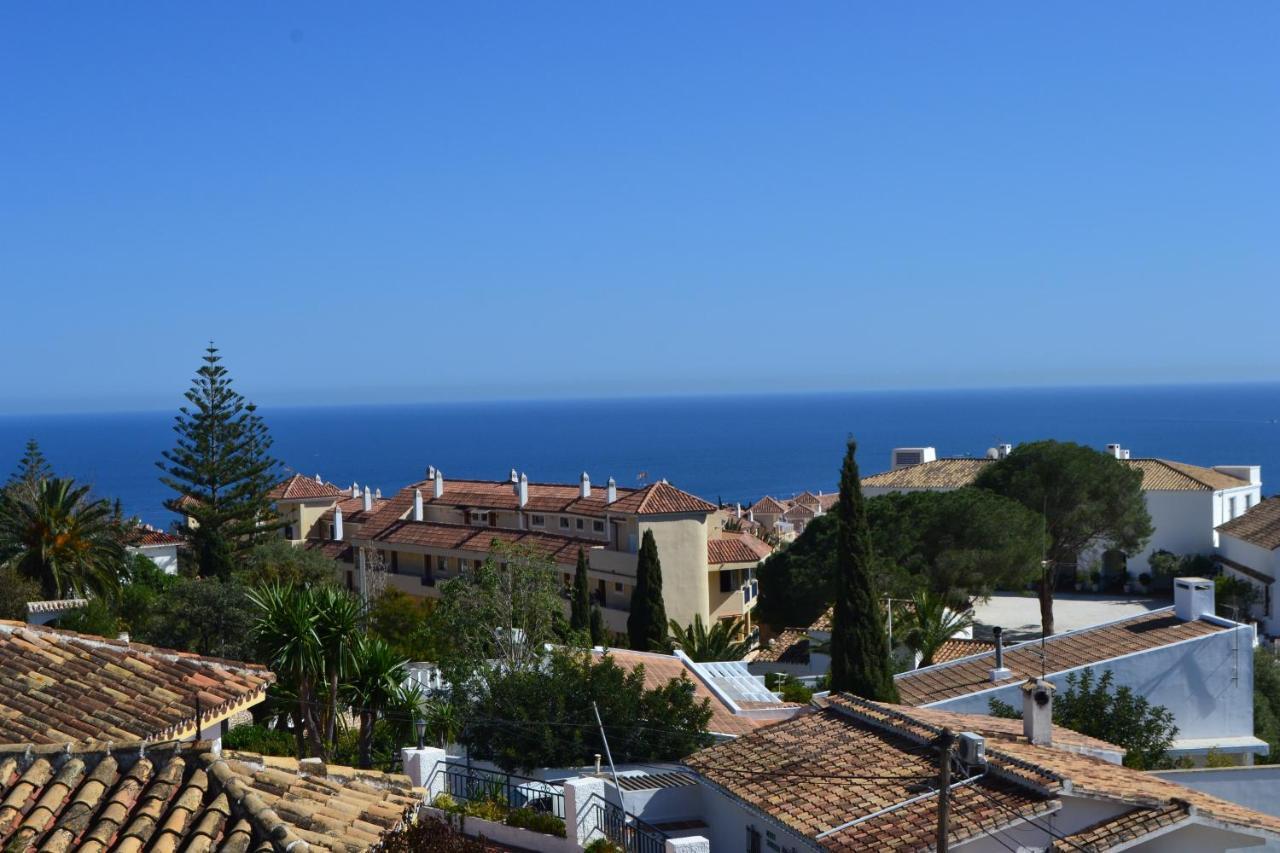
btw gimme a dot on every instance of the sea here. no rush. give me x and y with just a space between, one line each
723 448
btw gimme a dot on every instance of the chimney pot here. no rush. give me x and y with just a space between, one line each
438 484
611 491
355 490
318 480
522 489
337 524
377 494
1037 711
1192 598
1000 672
431 472
368 499
585 488
123 636
417 504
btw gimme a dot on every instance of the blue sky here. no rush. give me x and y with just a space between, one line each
407 202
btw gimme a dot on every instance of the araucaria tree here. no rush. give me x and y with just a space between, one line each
859 647
1088 499
647 621
221 469
580 605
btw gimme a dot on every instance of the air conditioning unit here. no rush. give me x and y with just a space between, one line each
971 749
904 457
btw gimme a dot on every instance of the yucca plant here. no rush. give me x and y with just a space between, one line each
373 687
55 534
285 630
338 619
722 642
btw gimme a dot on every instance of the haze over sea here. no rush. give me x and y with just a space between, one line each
732 448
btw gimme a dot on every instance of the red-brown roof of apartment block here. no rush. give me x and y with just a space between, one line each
768 506
1259 526
299 487
143 536
562 550
661 498
736 549
1061 652
60 687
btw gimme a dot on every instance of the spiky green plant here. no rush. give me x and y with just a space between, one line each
722 642
930 623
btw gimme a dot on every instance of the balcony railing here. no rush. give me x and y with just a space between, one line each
475 785
628 831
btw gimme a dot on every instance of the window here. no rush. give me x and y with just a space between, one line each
288 531
537 521
351 584
726 581
597 526
564 523
1233 509
617 587
331 531
395 562
581 524
753 840
493 519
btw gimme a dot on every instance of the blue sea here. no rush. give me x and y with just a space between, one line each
730 448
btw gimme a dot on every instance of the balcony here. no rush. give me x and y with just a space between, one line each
612 562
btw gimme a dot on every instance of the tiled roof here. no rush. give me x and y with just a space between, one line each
767 506
1004 729
823 622
145 536
808 499
954 473
660 669
1259 526
736 549
479 540
858 775
960 648
1163 475
183 797
818 772
299 487
1127 827
1062 651
501 494
333 550
948 473
799 512
59 687
660 498
791 646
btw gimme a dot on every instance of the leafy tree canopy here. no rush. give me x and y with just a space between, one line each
544 718
1088 499
275 560
407 624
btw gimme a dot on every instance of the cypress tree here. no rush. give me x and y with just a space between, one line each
221 469
859 648
598 632
647 622
580 605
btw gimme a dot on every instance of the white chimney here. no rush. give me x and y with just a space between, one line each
431 472
522 489
737 510
585 488
318 480
368 499
611 491
437 483
1117 451
751 516
1003 450
1000 672
1192 598
337 524
515 478
417 504
1037 711
355 490
377 494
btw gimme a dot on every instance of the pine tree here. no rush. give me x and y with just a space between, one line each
647 622
220 468
580 606
32 468
859 648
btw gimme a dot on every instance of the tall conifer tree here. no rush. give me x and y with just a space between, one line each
859 648
32 468
580 606
647 622
221 469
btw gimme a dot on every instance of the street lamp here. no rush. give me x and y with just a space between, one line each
421 726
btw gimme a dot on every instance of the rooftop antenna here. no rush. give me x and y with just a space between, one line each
613 770
1044 572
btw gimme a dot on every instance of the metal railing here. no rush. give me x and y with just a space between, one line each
517 792
628 831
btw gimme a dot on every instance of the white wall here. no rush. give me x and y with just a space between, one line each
1262 560
164 556
727 820
1207 683
1256 787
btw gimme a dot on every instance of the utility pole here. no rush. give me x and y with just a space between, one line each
945 740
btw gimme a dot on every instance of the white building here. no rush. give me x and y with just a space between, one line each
159 547
1249 547
1186 658
1186 502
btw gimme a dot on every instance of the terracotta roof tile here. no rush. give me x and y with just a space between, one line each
956 648
1259 526
1127 827
767 506
145 536
183 797
299 487
732 548
954 473
1063 651
660 498
479 540
58 686
791 646
1163 475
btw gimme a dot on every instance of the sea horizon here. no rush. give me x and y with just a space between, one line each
723 447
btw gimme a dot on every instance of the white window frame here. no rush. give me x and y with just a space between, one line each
537 521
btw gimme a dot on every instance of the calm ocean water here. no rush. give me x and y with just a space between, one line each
734 448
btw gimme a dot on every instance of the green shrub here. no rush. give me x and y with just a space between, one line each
445 802
547 824
603 845
260 739
494 810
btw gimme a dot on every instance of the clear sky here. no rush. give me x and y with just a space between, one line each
368 202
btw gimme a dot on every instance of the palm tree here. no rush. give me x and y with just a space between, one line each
442 720
339 615
930 623
55 534
720 643
374 686
285 629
